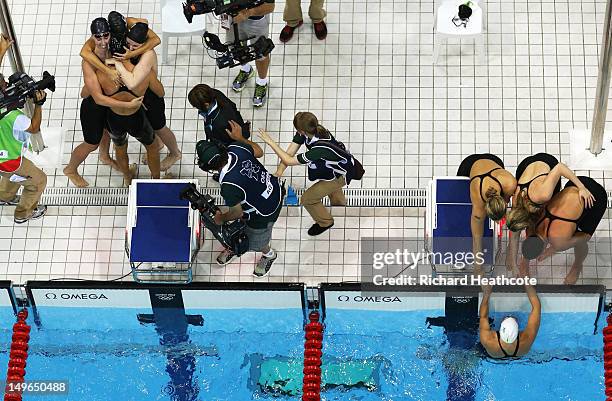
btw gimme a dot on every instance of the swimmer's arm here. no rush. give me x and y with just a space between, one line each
512 251
291 151
477 226
533 323
93 87
87 53
156 86
547 187
139 73
483 325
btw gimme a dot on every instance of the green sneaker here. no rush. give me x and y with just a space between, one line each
264 264
259 98
241 79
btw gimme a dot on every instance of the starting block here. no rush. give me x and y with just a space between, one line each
162 230
448 229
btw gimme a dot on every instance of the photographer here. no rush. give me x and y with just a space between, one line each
15 169
253 22
250 191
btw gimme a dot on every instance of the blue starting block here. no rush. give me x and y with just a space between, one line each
448 229
161 230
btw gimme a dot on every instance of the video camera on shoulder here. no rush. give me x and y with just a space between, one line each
20 87
237 52
231 234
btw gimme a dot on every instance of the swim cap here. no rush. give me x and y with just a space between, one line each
532 247
508 330
138 32
99 25
117 23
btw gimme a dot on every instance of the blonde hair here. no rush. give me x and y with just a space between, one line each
522 214
495 205
307 122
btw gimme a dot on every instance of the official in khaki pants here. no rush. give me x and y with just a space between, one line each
329 164
17 171
293 18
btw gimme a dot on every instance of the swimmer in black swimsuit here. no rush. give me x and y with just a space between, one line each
94 107
565 223
490 189
539 178
509 342
145 65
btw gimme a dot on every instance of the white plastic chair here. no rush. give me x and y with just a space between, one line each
174 24
444 28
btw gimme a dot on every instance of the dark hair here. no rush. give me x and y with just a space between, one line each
532 247
138 33
202 94
118 24
220 161
307 122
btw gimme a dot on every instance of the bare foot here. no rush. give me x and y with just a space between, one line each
145 160
168 176
127 178
572 276
75 178
109 161
169 161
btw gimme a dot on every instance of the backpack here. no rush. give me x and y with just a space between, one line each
358 170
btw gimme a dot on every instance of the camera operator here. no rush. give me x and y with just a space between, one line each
15 169
249 190
253 22
217 111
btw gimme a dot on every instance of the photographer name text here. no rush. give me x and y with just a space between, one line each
429 280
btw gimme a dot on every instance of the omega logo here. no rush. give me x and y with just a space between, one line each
52 295
376 299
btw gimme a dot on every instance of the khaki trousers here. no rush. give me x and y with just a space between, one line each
313 196
33 187
293 12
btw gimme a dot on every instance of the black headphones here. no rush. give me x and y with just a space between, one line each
220 149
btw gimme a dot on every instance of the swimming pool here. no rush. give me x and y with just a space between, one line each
219 346
425 357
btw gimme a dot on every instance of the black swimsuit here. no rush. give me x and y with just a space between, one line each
135 125
590 218
506 355
550 160
483 176
552 217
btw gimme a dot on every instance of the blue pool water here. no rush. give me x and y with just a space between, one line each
106 354
565 362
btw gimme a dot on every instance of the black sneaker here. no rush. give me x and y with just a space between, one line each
316 229
12 202
215 177
36 214
264 264
226 256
